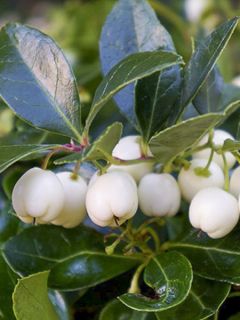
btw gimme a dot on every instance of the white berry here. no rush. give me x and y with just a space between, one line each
235 182
214 211
112 199
74 209
38 194
159 195
219 137
190 182
129 148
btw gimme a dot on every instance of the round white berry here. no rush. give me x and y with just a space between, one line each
159 195
190 182
112 199
214 211
219 137
129 148
38 194
74 209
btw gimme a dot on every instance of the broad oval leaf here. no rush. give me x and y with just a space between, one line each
8 280
170 276
203 60
132 26
213 259
204 299
30 298
13 153
37 82
132 68
75 257
118 311
171 142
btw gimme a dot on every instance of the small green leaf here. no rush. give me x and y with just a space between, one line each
213 259
173 141
170 276
30 298
204 299
75 257
13 153
36 81
203 60
132 68
231 145
115 310
8 280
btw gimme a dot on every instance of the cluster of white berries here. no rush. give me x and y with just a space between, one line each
112 198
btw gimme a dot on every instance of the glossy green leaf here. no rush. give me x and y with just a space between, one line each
204 299
176 139
101 146
132 68
203 60
115 310
30 298
36 81
217 259
60 305
170 276
76 257
8 280
13 153
132 26
8 224
209 96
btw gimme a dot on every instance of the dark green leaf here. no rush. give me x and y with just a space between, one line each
172 141
10 178
209 96
204 299
8 280
115 310
131 27
37 82
155 100
60 305
13 153
203 60
30 298
170 276
213 259
76 257
132 68
8 224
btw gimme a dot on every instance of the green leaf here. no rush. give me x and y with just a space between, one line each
131 27
13 153
8 224
10 178
173 141
76 257
60 305
204 299
36 81
209 96
101 146
30 298
132 68
203 60
213 259
170 276
8 280
231 145
118 311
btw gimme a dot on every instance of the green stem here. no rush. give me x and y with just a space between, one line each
155 238
215 316
134 287
111 248
76 169
209 160
226 175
